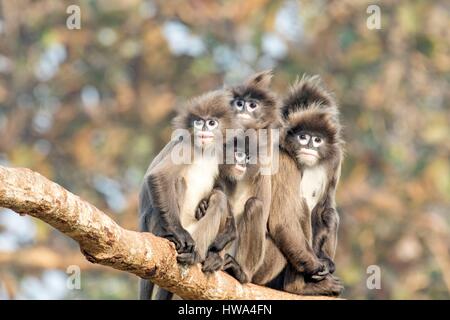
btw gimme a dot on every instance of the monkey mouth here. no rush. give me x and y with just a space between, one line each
205 137
240 170
309 153
244 116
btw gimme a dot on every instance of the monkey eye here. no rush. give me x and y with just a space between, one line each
303 138
317 141
251 106
212 124
247 160
239 156
239 104
198 124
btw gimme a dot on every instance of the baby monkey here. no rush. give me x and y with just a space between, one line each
237 178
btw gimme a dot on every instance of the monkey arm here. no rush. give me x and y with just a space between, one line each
163 193
227 234
166 191
325 224
325 220
289 237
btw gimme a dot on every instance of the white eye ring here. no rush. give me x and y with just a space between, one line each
317 143
239 156
239 104
251 106
212 124
303 138
198 124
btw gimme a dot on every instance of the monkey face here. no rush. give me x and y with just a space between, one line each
205 131
311 147
238 163
256 109
235 167
254 103
311 137
207 117
248 110
240 166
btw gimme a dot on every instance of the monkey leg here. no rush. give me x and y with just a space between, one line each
272 265
207 228
295 282
251 237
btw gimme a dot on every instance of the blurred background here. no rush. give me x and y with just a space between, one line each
90 108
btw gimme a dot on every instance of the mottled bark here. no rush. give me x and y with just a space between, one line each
104 242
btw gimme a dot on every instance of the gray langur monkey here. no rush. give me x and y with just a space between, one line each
316 135
171 191
303 222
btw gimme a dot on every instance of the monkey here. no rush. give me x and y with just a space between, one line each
320 153
237 176
256 107
302 223
171 192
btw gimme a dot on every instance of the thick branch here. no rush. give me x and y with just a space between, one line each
103 241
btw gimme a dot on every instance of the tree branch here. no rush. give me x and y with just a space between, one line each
104 242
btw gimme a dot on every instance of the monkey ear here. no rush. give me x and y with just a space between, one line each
260 80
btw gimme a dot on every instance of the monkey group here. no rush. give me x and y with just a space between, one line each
254 194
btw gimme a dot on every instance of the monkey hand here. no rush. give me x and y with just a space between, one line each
201 209
213 262
185 246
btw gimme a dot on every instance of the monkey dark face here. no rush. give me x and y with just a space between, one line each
311 137
248 109
235 170
205 131
238 163
207 117
311 148
254 103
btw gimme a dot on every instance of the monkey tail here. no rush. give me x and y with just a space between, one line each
307 92
145 289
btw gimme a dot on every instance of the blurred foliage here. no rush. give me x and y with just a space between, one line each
90 108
